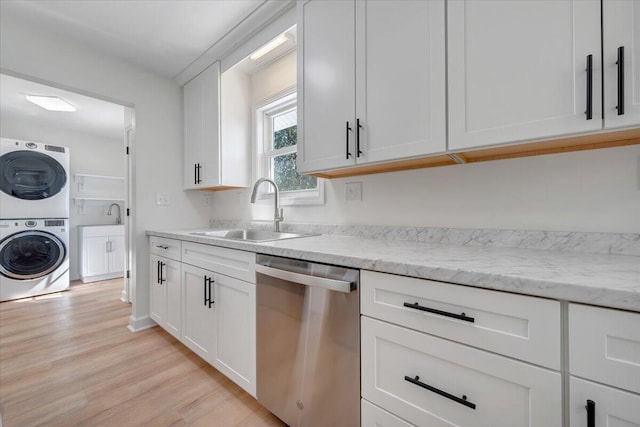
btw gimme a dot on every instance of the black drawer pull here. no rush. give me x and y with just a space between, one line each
347 139
463 400
358 127
440 312
162 247
591 413
158 273
620 63
204 286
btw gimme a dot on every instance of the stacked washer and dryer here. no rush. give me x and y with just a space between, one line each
34 219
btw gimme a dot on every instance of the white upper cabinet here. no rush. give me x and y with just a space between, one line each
202 130
621 48
371 82
518 70
400 79
216 142
326 84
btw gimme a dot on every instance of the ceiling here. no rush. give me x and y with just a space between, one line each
164 36
94 116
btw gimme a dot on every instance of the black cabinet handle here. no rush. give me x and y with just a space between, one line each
198 168
440 312
591 413
162 278
620 63
158 272
358 127
463 400
589 71
204 286
348 130
195 173
211 301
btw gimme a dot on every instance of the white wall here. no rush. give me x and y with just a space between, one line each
595 190
90 154
157 151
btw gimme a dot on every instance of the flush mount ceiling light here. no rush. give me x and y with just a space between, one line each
282 38
51 103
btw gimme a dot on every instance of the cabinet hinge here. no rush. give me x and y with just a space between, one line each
128 274
127 149
128 212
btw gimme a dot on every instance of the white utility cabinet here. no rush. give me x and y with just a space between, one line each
102 252
371 82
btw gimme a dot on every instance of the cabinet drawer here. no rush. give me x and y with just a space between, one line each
168 248
231 262
505 392
613 408
523 327
373 416
605 345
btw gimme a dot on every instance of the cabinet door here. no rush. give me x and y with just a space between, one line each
235 354
326 84
173 316
158 303
116 254
517 70
400 79
198 317
621 28
202 129
612 407
95 259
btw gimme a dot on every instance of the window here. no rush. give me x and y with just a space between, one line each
277 133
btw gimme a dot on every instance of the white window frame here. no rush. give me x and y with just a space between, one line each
280 102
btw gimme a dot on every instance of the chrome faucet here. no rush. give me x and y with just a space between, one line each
278 216
119 217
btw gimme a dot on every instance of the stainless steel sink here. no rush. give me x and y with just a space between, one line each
256 236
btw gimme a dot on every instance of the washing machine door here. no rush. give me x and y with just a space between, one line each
30 254
31 175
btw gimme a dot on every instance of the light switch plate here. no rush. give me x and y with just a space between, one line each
353 191
162 199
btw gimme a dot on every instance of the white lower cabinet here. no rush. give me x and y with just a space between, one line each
198 312
234 353
604 348
166 298
607 406
213 314
434 382
373 415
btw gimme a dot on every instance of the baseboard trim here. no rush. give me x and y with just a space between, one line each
137 325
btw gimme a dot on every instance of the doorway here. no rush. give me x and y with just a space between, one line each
98 136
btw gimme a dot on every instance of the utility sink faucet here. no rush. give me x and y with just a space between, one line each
278 215
119 217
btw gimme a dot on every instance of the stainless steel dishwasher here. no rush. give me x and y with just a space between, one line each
308 342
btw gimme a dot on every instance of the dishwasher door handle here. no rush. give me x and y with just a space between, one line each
304 279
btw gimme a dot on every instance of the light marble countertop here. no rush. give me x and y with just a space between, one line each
598 279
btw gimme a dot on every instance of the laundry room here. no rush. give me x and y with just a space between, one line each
64 174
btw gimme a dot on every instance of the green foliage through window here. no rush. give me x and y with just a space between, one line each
283 166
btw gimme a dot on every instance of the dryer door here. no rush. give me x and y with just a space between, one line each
30 254
30 175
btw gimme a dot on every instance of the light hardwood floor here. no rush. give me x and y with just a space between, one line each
69 360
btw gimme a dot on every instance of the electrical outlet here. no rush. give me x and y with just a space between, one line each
162 199
353 191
